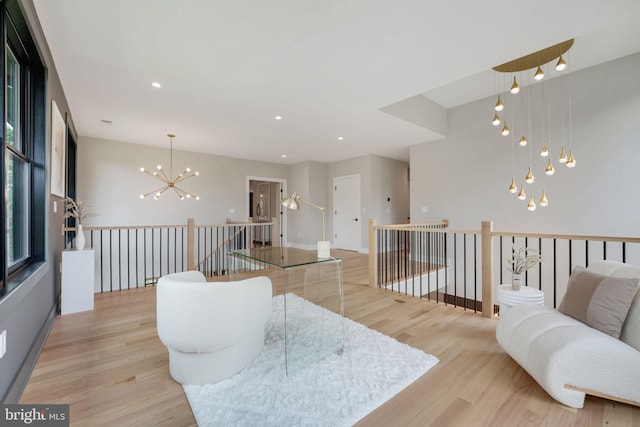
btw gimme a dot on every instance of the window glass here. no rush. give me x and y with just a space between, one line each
18 190
13 101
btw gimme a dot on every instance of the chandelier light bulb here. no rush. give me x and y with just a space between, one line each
544 151
499 105
532 205
571 161
562 158
496 119
543 200
505 129
523 140
549 170
561 65
513 188
539 75
529 179
522 195
514 87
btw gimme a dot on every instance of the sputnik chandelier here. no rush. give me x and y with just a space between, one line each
536 60
168 183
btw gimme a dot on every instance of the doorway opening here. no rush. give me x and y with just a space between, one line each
263 205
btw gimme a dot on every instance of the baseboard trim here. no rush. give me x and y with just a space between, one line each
18 385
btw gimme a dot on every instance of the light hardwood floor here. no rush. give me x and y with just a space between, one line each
110 366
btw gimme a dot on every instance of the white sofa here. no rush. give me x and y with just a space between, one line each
212 330
568 358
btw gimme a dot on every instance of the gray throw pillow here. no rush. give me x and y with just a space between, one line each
599 301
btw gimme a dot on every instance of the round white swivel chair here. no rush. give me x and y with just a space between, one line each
212 330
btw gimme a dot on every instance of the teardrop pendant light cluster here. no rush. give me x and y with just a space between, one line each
529 62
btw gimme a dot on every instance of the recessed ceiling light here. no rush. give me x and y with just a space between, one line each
284 156
278 117
340 138
156 84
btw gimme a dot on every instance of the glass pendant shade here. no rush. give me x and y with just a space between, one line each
522 195
543 200
532 205
523 140
513 188
544 151
496 119
515 88
539 75
499 105
562 158
505 129
549 170
571 161
529 179
561 65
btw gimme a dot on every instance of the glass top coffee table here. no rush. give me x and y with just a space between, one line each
310 290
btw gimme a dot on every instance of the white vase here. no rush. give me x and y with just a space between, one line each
516 281
80 240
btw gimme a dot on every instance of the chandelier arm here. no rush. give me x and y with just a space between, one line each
164 175
156 176
163 190
183 177
193 196
159 189
179 192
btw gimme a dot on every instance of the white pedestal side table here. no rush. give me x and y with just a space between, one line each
77 280
507 297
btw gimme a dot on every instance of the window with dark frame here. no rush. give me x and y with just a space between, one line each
23 159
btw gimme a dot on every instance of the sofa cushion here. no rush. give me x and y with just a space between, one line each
631 329
599 301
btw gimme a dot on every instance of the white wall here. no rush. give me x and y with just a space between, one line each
390 198
109 179
380 178
464 177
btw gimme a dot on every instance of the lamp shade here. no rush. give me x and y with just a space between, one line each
292 202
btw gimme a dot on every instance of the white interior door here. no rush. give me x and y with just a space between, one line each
347 222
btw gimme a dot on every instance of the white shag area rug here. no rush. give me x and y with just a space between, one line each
335 391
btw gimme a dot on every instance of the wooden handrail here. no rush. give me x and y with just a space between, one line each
618 239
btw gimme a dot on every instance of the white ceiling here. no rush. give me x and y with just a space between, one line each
329 67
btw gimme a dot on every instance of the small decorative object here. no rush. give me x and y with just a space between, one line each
78 210
521 260
80 240
516 281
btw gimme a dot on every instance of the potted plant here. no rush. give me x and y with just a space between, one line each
521 260
78 210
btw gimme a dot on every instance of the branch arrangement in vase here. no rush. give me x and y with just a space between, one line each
523 259
76 209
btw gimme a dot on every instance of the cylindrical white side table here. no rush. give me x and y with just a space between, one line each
507 297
